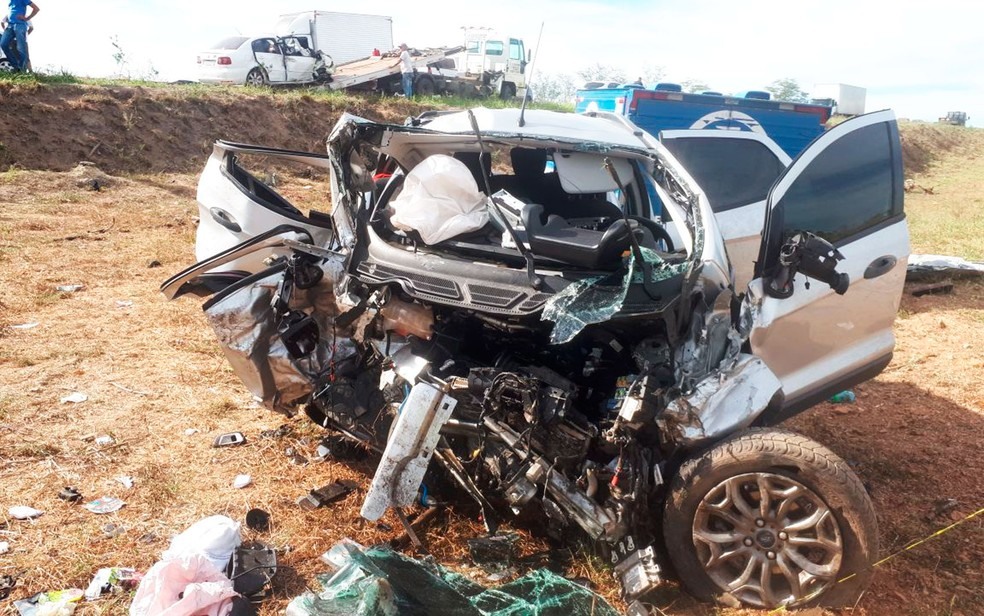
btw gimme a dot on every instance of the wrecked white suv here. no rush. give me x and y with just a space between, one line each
540 309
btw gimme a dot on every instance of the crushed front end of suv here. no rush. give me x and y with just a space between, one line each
540 308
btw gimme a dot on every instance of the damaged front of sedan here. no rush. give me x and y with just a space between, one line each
540 306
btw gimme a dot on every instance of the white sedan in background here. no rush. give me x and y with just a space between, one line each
260 60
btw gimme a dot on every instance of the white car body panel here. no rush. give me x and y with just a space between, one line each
408 450
816 337
223 206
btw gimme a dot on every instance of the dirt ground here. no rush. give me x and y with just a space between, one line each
152 373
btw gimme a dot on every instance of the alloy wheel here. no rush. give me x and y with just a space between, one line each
768 540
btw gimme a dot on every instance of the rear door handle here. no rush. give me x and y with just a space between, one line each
225 219
879 266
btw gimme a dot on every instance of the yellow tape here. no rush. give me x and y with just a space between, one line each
893 555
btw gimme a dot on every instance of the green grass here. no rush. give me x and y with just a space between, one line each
39 78
337 98
950 220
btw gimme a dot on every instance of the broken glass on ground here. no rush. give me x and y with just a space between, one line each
375 581
104 505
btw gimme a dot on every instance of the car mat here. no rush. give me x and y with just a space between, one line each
241 606
334 491
251 568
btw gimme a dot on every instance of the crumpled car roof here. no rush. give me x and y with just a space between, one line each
545 125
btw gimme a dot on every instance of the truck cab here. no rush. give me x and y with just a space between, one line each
488 51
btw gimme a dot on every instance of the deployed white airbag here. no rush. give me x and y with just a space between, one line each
440 200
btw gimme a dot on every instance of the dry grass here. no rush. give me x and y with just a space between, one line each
150 370
950 219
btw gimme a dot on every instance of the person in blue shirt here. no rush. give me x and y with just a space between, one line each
16 30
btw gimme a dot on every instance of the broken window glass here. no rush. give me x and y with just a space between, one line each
599 298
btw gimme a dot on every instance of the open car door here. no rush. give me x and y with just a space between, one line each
835 211
235 205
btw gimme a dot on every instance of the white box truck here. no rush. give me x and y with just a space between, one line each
844 99
343 36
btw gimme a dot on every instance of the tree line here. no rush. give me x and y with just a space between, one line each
560 87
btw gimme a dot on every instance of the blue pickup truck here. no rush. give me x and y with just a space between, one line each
791 125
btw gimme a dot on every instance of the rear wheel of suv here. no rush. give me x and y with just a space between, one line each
771 518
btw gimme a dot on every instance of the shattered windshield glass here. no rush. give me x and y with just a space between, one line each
599 298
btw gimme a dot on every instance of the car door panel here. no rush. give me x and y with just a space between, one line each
742 230
269 57
847 188
736 170
300 63
853 330
235 206
212 274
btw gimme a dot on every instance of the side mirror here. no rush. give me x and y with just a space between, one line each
812 255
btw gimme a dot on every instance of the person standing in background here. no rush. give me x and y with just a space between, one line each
406 69
16 30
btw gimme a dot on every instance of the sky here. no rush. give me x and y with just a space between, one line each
921 60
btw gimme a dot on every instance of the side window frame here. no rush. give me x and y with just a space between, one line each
515 50
890 216
777 230
715 203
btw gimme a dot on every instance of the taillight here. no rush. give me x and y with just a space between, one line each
224 60
659 95
820 110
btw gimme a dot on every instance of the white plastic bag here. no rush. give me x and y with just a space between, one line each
440 200
184 586
216 537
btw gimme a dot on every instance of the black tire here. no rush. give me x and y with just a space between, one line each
789 459
424 86
257 77
508 91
